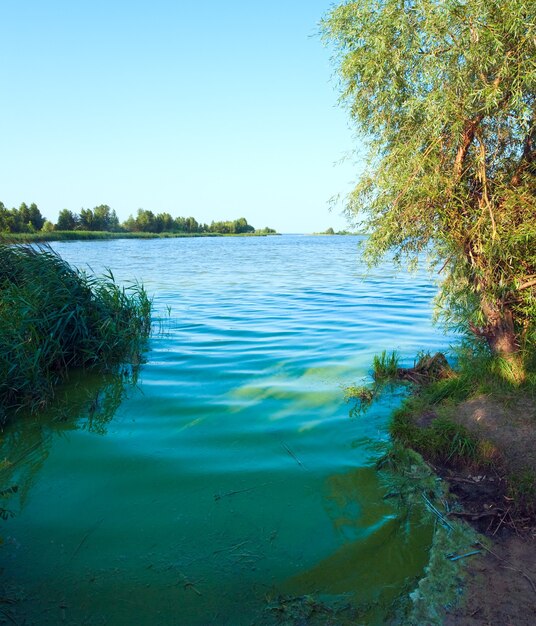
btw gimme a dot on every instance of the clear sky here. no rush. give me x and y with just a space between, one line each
216 109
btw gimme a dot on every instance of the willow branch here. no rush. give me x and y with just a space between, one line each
484 180
526 159
463 148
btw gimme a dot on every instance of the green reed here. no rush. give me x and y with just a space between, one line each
54 317
385 366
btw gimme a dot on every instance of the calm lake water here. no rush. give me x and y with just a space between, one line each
230 480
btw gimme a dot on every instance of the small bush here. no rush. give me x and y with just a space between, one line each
54 317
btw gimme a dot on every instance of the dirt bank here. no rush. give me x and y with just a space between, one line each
500 503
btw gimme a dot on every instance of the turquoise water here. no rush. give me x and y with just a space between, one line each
222 480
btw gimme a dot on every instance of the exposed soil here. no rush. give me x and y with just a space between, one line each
501 581
510 426
501 586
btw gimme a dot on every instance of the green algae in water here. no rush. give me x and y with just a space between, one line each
176 500
410 479
377 549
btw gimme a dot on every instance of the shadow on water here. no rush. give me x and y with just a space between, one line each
87 401
383 551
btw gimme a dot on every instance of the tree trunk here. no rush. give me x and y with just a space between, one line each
501 337
499 331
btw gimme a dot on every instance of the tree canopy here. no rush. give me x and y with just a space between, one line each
444 93
104 219
25 219
147 221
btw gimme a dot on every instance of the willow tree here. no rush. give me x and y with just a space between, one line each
444 93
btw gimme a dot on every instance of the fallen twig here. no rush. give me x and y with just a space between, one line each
475 516
462 556
475 611
501 522
293 455
232 548
437 513
219 496
85 537
190 585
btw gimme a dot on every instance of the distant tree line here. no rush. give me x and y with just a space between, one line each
28 219
147 221
25 219
330 231
101 218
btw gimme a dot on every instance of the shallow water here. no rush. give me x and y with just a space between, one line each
230 480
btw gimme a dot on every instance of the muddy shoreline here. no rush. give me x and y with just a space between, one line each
500 579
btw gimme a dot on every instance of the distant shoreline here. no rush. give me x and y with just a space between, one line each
338 234
98 235
87 235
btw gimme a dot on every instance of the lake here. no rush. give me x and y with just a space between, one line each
224 480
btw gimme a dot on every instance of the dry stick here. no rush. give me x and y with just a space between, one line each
190 585
232 493
441 518
501 522
475 612
231 548
445 263
84 538
513 523
293 455
463 556
475 516
529 283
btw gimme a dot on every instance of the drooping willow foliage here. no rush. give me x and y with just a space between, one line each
444 94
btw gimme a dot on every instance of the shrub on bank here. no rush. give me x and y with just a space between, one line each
54 317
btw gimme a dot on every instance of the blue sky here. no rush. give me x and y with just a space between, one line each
212 109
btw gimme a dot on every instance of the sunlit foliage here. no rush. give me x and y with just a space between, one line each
444 94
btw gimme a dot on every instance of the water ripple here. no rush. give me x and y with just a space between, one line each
237 434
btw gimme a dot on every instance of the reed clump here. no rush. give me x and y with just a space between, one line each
385 366
54 317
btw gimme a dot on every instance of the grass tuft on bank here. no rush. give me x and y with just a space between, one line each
480 419
385 365
54 317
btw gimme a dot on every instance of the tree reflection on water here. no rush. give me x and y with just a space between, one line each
87 401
